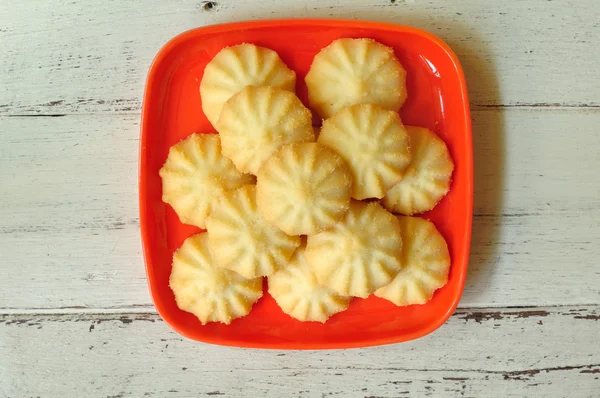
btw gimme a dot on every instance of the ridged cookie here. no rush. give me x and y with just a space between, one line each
426 179
303 188
195 174
210 292
236 67
425 264
258 121
355 71
374 144
242 240
359 254
297 292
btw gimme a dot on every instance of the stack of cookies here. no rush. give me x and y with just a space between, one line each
311 209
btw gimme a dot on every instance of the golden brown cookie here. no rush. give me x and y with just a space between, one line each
355 71
425 264
212 293
298 294
427 178
195 174
359 254
236 67
303 188
374 144
242 240
258 121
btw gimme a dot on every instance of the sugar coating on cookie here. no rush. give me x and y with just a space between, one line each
374 144
259 120
236 67
355 71
242 240
297 292
426 179
211 293
359 254
303 188
195 174
425 264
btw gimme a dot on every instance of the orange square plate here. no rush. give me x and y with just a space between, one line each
437 99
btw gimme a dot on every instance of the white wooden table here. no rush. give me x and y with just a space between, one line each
76 319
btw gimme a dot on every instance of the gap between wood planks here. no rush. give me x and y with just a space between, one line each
144 312
474 107
519 316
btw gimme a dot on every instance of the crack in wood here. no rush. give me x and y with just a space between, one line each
527 374
44 115
135 107
591 371
506 375
54 103
85 313
89 313
479 317
109 224
589 317
536 105
508 215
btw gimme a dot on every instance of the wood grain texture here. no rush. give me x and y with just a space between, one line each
72 57
70 230
532 352
69 234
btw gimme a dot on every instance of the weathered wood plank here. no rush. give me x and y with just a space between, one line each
69 229
70 233
72 57
512 352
